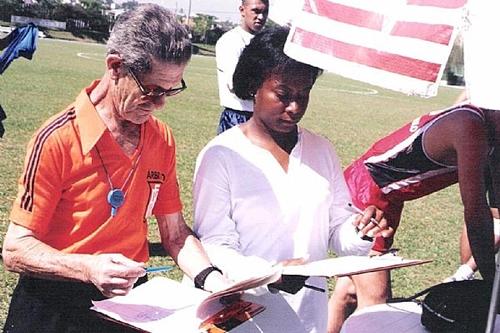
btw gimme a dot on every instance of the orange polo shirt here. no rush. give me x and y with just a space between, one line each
63 190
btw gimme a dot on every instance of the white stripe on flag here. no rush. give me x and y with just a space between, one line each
374 39
396 44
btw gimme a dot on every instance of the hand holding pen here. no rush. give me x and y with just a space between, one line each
371 222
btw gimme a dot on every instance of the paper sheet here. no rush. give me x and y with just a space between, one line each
211 304
161 303
156 305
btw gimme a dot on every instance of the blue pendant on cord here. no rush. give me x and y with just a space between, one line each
115 199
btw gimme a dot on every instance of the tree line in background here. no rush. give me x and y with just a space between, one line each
88 14
96 16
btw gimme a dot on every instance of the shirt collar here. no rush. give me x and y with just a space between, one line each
89 122
245 35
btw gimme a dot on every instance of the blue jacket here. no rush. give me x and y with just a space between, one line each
22 44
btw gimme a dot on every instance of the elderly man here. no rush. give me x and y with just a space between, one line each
93 175
227 52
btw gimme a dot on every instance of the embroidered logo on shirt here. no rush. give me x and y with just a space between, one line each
155 176
154 179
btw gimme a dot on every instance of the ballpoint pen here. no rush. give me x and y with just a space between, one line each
159 269
355 209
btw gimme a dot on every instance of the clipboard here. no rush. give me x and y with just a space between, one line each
231 316
162 302
351 265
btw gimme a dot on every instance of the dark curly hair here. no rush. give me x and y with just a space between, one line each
264 57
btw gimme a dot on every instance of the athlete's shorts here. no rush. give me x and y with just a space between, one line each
230 117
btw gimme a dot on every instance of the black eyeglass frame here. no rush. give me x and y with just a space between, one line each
158 92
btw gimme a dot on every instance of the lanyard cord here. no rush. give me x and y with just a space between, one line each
107 173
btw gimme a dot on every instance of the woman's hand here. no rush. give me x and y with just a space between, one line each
371 223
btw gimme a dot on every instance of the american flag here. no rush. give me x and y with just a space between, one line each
401 45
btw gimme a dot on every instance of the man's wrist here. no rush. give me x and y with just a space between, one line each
87 263
201 277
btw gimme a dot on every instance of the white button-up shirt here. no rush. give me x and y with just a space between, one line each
251 214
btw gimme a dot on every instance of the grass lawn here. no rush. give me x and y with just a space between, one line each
351 114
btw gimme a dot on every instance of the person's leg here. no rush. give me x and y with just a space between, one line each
465 251
25 311
356 292
375 288
372 288
346 296
39 305
341 304
468 265
344 300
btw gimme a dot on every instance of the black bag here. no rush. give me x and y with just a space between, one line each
458 306
454 307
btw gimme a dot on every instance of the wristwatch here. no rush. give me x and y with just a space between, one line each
199 280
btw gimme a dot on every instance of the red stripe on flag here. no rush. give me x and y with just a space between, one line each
436 33
345 14
365 56
439 3
307 6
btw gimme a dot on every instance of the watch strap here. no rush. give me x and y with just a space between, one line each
200 278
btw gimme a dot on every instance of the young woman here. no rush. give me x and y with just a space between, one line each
268 190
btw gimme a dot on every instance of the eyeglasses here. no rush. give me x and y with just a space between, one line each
157 92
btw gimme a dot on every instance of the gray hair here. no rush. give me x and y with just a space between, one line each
149 32
265 2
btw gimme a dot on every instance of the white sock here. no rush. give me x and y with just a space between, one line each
463 272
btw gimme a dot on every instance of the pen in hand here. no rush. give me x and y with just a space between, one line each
159 269
355 209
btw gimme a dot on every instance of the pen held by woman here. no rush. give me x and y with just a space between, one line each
371 222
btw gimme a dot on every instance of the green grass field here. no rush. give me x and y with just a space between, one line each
351 114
